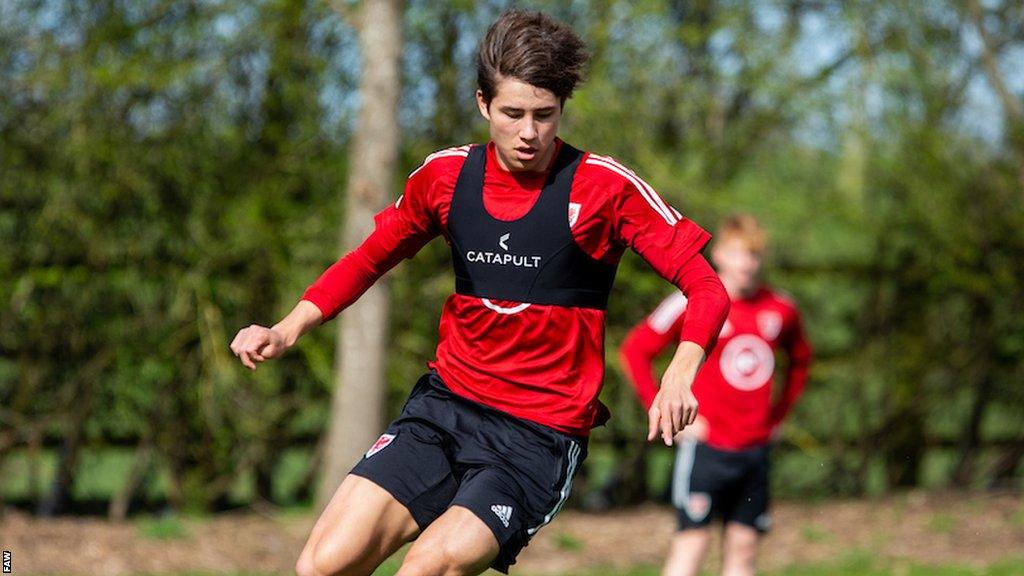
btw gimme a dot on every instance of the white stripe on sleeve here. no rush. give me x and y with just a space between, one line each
666 314
645 189
460 151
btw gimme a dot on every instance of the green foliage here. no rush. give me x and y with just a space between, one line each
172 171
157 211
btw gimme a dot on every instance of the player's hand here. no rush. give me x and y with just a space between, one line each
696 432
675 407
256 344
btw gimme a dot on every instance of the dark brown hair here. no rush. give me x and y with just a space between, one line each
533 48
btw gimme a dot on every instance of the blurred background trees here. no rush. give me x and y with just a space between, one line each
173 170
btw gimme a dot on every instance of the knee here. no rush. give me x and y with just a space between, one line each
739 556
305 566
739 560
440 561
743 549
419 563
318 561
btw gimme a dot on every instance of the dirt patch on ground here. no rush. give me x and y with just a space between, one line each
949 528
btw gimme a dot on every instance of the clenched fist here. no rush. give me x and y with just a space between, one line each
256 344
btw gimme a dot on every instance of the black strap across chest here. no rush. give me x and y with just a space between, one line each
533 259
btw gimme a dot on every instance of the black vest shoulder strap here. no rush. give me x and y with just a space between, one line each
532 259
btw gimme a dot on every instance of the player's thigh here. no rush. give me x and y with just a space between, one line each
458 542
515 500
362 525
749 505
696 485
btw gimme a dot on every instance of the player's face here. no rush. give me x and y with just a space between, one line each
737 264
524 122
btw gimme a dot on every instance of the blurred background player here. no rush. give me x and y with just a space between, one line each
721 466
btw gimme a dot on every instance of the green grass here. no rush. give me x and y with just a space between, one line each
566 542
812 533
887 568
942 523
1018 518
162 528
855 563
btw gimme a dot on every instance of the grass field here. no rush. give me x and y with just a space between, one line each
912 534
856 565
853 563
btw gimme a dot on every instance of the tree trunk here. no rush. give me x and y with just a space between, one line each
982 381
121 501
448 105
357 406
1004 476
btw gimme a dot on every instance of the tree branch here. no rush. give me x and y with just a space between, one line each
347 10
1011 104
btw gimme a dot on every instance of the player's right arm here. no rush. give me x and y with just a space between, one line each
402 229
257 343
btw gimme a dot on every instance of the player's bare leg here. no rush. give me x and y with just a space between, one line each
739 550
686 553
361 526
458 543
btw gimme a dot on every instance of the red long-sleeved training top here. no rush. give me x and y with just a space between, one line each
538 362
733 387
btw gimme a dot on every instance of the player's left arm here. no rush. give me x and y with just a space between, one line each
798 352
672 245
675 407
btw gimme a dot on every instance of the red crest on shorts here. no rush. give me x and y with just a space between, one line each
698 505
383 442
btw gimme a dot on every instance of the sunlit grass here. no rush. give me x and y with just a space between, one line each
162 528
857 563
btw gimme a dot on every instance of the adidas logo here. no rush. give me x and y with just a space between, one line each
504 513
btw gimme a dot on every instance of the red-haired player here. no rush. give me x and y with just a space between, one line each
721 467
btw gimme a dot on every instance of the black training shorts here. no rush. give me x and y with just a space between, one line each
445 450
727 484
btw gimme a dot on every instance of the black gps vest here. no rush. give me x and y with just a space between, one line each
534 259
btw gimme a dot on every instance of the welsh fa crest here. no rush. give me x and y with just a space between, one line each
383 442
698 506
574 213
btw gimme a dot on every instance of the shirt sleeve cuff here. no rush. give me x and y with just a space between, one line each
321 302
699 337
